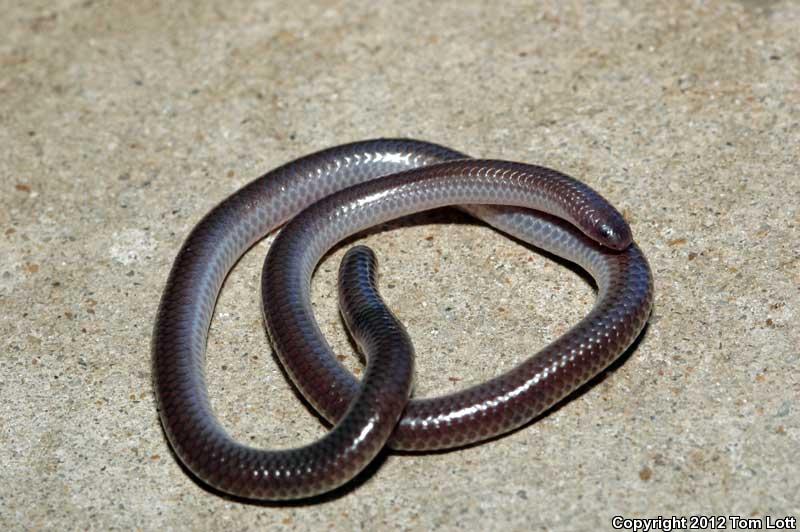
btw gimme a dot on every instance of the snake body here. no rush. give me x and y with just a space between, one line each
326 197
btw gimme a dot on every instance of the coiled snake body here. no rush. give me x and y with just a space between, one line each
326 197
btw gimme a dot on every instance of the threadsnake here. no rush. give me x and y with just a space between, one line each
326 197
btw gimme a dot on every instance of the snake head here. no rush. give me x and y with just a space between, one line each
614 232
606 225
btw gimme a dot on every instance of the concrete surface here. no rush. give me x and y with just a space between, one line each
122 123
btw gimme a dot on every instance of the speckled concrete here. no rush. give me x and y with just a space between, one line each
122 123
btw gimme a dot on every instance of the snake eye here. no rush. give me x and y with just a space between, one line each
608 236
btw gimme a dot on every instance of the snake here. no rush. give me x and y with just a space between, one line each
324 198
